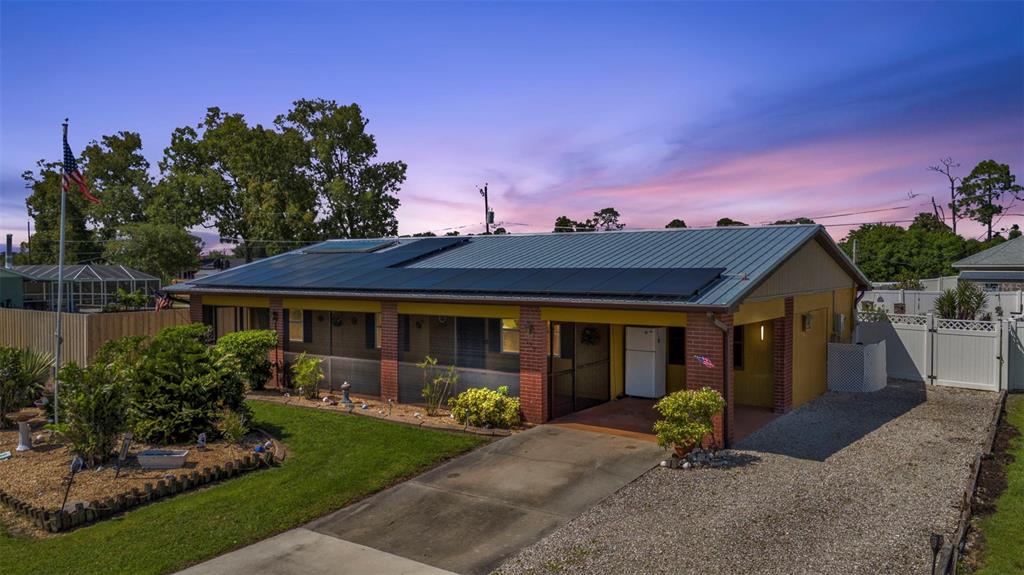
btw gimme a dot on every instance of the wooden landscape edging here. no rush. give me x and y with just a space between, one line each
949 555
59 520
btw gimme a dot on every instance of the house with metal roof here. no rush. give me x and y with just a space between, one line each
566 321
86 286
999 268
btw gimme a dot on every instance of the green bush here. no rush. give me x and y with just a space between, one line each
483 407
251 348
180 385
306 376
233 426
966 301
92 409
686 417
22 375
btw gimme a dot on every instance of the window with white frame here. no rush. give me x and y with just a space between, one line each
509 336
295 326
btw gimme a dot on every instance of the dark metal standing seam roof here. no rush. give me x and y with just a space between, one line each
744 256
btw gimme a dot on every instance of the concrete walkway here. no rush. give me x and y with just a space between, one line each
465 516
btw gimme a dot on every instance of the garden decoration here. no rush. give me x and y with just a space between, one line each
162 458
704 360
5 455
590 336
345 399
390 402
24 437
122 454
76 465
201 444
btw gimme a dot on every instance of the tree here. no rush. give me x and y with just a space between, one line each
163 250
981 192
800 220
563 224
728 222
359 196
676 223
929 223
606 219
248 182
967 301
118 175
887 252
946 166
1014 232
44 208
500 232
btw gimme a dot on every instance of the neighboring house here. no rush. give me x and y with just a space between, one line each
565 321
999 268
86 287
209 266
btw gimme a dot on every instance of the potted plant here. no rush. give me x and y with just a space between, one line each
686 418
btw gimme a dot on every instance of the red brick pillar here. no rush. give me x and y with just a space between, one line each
277 377
704 338
195 308
782 360
533 364
389 350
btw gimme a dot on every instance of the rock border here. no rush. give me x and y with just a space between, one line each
949 554
58 520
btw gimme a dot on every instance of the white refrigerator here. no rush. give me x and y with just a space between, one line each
645 361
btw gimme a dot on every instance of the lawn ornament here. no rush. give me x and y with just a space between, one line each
24 437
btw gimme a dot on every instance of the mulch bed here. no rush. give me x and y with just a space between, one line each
36 477
409 414
991 484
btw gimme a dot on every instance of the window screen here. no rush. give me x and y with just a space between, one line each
676 346
737 346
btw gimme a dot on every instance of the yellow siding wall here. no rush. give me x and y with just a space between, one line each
754 382
810 347
617 363
810 269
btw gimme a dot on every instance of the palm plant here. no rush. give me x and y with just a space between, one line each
22 375
967 301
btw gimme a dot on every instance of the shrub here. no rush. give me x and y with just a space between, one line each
686 417
306 376
966 301
92 409
251 348
436 389
180 385
233 426
483 407
22 375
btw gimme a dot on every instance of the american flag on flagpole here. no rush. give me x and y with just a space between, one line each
704 360
71 173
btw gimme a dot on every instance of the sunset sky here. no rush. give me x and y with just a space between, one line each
696 111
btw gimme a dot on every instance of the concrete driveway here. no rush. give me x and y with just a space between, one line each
465 516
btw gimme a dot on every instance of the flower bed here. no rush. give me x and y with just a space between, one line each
32 483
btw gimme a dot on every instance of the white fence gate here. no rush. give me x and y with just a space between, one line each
960 353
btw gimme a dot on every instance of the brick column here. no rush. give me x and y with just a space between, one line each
704 338
278 377
195 308
533 364
389 350
782 360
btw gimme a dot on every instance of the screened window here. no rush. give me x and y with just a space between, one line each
509 336
295 325
737 347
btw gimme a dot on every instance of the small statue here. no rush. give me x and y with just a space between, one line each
24 437
345 399
201 444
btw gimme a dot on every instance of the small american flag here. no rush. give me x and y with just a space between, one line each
704 360
162 301
71 173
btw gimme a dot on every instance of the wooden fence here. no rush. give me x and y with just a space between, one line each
84 333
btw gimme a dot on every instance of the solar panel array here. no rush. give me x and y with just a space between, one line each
349 246
374 268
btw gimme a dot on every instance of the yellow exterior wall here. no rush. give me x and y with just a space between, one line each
455 309
753 383
810 347
614 316
237 300
675 378
758 311
354 305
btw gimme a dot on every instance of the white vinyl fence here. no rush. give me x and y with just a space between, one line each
960 353
1000 304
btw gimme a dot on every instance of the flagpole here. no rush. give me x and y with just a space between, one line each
60 282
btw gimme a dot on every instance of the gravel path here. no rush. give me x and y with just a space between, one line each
849 483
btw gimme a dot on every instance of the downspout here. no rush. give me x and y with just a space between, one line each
725 375
854 324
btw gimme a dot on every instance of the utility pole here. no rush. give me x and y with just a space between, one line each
487 211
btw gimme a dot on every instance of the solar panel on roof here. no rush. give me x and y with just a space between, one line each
349 246
682 282
626 281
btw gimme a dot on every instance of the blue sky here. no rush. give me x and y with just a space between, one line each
753 111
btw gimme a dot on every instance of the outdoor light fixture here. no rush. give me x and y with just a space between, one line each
762 332
807 321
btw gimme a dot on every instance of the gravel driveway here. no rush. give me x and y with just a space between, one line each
848 483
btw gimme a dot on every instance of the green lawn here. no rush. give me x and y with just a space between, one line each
333 459
1004 529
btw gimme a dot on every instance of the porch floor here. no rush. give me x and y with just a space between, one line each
634 417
